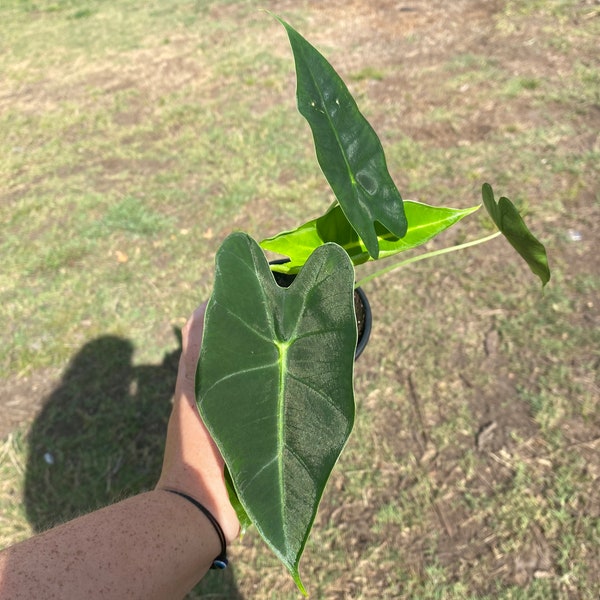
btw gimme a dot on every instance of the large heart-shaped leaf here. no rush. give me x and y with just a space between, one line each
511 224
274 384
424 223
348 149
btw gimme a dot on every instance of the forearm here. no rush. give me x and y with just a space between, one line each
152 546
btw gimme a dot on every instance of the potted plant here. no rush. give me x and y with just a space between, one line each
275 377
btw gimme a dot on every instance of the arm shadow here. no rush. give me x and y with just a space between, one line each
100 438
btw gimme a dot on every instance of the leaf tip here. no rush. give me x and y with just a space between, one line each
296 577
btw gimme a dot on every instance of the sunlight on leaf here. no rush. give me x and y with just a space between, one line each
424 223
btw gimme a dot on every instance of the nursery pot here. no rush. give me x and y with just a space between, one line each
362 309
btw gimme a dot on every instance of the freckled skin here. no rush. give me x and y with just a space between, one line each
155 545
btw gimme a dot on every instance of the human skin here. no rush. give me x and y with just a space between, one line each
156 545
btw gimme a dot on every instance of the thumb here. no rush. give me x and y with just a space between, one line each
191 344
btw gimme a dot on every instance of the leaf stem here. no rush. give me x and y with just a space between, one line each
425 256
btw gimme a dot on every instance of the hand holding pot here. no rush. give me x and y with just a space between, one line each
192 462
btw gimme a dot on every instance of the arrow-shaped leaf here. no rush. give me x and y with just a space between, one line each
424 223
511 224
348 149
274 384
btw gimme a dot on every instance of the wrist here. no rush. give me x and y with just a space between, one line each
220 562
216 501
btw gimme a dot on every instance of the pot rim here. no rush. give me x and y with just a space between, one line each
363 340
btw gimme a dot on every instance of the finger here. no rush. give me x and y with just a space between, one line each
191 351
191 343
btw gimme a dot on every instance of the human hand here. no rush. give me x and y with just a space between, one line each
192 462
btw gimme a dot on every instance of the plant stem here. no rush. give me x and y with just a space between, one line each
425 256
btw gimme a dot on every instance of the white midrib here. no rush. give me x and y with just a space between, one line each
283 351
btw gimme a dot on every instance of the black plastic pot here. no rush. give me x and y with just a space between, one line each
362 308
364 325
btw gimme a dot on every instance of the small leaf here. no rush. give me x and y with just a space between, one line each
424 223
242 515
511 224
348 149
274 384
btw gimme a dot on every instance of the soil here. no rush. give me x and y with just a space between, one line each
380 29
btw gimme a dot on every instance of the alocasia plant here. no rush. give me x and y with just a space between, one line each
275 377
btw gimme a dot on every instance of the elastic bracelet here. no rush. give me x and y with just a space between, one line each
221 561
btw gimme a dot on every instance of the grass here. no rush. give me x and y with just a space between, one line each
137 135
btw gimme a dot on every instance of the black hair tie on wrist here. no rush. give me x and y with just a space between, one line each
221 561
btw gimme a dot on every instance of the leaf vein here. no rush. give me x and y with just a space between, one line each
236 374
245 323
325 397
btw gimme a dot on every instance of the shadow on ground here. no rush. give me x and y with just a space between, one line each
100 437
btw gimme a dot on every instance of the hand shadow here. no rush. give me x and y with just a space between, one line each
100 438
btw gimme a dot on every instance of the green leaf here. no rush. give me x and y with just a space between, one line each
424 223
511 224
274 384
242 515
348 149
